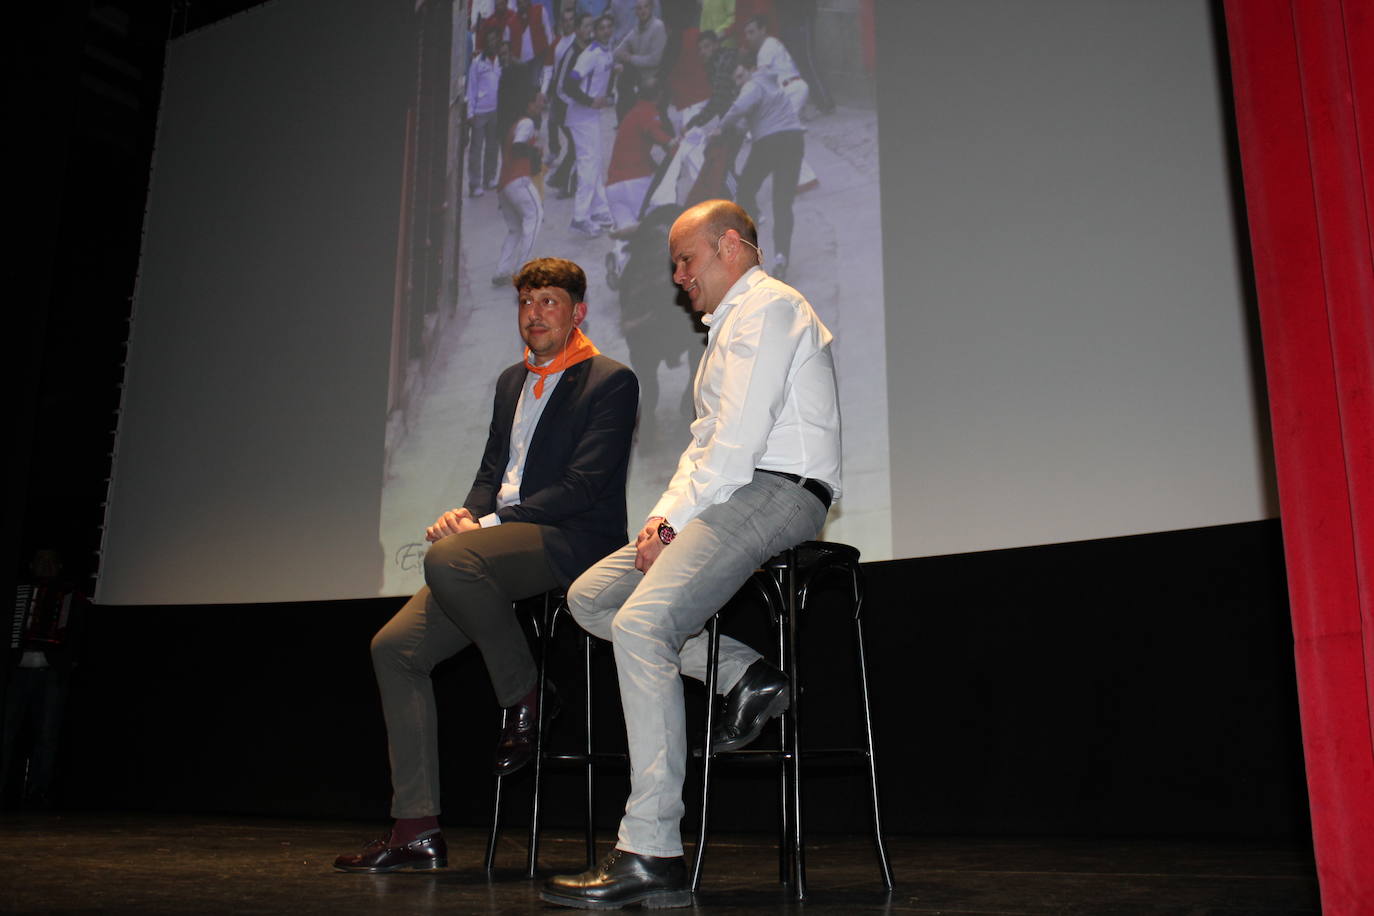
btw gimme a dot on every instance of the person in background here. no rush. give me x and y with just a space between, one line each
639 53
689 85
632 162
503 20
522 203
772 57
484 82
531 41
777 149
717 16
720 61
587 87
561 147
48 611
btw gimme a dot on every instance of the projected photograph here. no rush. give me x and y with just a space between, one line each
696 107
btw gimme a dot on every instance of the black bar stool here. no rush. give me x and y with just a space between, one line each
554 608
785 583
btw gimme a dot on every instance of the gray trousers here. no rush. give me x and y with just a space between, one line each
654 621
484 145
471 580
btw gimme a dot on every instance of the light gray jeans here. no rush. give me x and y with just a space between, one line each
654 621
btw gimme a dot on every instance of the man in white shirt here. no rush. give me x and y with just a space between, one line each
773 58
577 34
777 146
758 477
484 141
587 88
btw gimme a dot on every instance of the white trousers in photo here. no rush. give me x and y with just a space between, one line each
523 210
589 142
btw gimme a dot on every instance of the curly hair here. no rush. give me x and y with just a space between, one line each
559 272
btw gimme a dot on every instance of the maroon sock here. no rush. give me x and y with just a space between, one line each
407 829
530 699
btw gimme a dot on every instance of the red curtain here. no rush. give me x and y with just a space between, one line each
1303 72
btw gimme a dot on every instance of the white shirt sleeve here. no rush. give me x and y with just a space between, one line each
754 361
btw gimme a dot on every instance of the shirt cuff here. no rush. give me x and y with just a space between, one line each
490 520
676 514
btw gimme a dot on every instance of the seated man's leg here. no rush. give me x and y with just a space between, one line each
474 577
600 592
596 595
404 652
693 578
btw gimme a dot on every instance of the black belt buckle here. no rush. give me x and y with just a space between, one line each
809 484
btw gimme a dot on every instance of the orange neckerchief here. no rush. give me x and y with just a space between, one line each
579 348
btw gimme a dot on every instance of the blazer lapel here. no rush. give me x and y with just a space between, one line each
506 402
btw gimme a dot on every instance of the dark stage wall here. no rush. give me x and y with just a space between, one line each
1133 686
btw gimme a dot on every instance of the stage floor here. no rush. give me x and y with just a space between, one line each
174 865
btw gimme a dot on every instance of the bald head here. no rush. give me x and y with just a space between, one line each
712 245
720 216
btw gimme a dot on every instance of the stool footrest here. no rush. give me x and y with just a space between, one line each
599 757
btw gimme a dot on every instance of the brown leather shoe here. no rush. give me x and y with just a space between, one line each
623 878
379 857
516 746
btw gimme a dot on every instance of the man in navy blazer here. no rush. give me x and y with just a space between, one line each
547 502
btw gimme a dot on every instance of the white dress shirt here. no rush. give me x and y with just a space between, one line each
773 58
528 410
765 398
762 107
484 79
592 72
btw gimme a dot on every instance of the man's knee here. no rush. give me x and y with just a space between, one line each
635 627
387 649
582 604
453 556
581 597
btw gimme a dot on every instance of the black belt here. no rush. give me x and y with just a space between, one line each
810 484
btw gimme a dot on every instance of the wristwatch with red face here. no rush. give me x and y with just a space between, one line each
666 532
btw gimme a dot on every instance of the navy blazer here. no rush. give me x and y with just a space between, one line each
574 478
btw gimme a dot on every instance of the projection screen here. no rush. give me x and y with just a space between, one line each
1037 302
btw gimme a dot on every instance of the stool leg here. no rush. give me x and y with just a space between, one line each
546 636
794 711
587 749
784 746
712 655
883 865
496 811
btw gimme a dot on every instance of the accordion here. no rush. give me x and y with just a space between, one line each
41 615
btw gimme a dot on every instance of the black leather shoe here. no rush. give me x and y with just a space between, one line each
516 747
622 879
379 857
760 695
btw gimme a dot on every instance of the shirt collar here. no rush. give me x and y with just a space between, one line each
751 278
